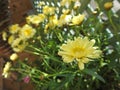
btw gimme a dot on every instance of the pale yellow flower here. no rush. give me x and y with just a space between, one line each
19 45
77 4
35 19
27 32
29 19
4 36
48 10
6 69
66 11
64 19
79 49
46 28
11 39
14 28
53 21
14 56
77 19
16 42
42 17
20 48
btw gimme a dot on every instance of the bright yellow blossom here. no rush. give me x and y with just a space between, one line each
79 49
11 39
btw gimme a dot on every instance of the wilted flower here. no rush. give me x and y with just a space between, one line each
79 49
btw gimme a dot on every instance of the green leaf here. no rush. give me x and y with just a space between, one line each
94 74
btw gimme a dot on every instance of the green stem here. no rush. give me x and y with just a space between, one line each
110 19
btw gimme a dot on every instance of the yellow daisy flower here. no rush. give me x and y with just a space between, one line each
27 31
14 28
79 49
19 45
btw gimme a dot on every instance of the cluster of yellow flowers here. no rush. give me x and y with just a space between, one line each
80 50
8 65
49 20
19 36
52 18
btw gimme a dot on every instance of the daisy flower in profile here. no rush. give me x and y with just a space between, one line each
81 50
6 69
76 20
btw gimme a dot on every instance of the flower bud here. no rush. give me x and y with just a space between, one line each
108 5
13 57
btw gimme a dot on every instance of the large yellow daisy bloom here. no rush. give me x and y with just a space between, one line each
79 49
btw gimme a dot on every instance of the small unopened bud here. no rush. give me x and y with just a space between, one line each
13 57
108 5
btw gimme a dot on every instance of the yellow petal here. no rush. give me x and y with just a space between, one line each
81 65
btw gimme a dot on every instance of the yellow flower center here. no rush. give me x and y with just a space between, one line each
27 32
